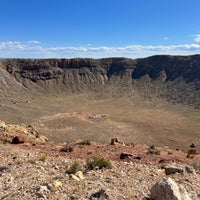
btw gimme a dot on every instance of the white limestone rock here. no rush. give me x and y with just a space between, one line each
168 189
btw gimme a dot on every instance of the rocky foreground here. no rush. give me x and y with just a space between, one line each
33 168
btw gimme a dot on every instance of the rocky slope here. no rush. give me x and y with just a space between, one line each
175 78
36 169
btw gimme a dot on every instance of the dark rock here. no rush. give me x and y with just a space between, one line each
137 158
173 168
74 197
162 161
190 169
18 140
192 145
125 155
101 194
14 157
3 168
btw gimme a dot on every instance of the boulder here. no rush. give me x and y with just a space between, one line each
177 168
173 168
168 189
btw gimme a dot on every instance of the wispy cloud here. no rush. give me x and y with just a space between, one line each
33 42
197 38
35 49
10 45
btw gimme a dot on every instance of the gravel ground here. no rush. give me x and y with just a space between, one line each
37 170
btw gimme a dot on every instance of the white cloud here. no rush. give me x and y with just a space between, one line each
197 38
33 42
34 49
11 45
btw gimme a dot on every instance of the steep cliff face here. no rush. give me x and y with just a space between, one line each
176 78
74 75
187 67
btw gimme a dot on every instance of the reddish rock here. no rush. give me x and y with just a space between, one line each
192 151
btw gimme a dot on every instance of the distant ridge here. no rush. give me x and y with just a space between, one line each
174 78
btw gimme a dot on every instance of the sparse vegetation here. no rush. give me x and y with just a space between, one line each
85 142
153 150
99 163
72 169
67 148
43 157
4 140
150 107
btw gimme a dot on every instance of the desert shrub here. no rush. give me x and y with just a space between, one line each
98 162
4 140
72 169
43 157
85 142
67 149
153 150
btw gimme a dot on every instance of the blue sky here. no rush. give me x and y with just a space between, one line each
98 28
